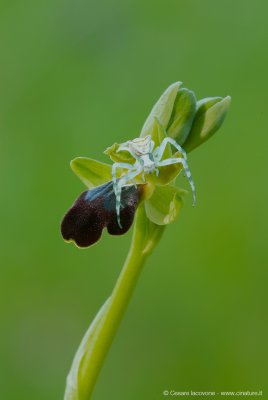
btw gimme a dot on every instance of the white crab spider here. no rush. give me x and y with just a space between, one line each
148 160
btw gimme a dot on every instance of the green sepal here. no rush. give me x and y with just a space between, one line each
210 115
119 156
162 109
91 172
182 115
164 205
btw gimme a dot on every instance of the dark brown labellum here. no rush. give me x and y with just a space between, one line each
95 209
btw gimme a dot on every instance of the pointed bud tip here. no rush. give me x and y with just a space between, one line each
227 100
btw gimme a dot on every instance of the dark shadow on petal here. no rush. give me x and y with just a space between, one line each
95 209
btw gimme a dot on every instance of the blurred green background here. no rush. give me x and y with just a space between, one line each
75 78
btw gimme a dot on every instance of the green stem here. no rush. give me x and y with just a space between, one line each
117 305
96 343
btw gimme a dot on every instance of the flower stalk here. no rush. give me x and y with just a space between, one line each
97 340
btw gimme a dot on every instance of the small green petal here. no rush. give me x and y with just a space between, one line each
164 205
119 156
91 172
182 116
210 115
162 109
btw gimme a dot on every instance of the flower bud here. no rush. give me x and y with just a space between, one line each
162 110
182 116
209 116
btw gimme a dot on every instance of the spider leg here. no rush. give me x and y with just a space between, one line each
120 165
187 172
118 189
140 165
159 151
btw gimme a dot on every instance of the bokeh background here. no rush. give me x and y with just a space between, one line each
76 77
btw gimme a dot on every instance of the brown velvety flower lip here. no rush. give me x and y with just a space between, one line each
95 209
